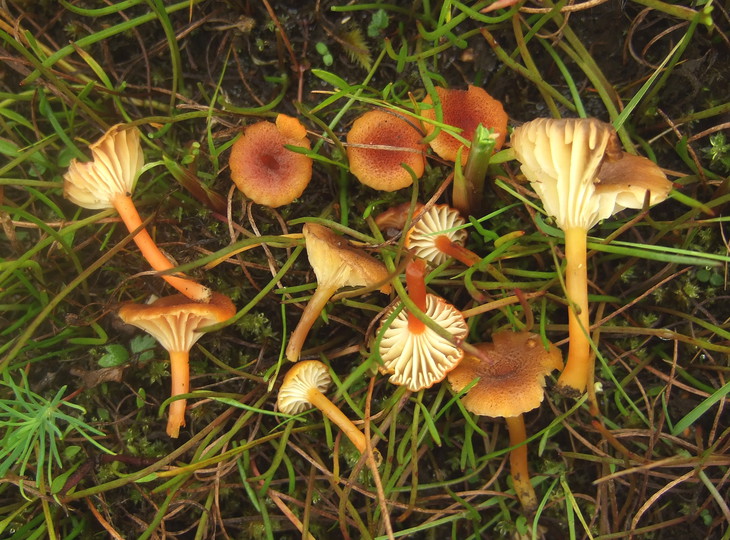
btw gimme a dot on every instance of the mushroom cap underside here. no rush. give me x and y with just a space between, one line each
304 376
438 220
420 360
116 159
174 320
573 166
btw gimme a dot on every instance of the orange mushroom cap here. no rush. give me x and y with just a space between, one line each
512 382
378 143
263 169
464 109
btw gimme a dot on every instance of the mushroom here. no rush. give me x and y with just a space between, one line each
108 182
337 264
174 322
264 169
378 144
303 387
580 176
436 235
510 382
394 218
465 110
413 354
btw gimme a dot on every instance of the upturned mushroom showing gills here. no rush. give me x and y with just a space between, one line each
581 178
510 382
107 181
436 235
303 387
414 355
264 169
378 143
464 109
174 322
336 264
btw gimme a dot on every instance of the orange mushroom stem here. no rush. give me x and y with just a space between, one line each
518 462
108 181
456 251
578 372
124 206
179 385
416 283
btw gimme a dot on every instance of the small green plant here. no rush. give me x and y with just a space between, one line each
33 427
718 152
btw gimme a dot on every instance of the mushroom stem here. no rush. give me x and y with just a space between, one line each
416 284
180 375
337 417
128 212
312 310
574 379
456 251
518 463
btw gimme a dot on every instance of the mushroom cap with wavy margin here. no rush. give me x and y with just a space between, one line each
464 109
116 159
420 360
511 382
332 257
264 169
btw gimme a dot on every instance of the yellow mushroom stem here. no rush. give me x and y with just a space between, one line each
456 251
180 375
312 311
518 463
578 369
337 417
128 212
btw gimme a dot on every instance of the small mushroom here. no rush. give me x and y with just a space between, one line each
465 110
174 322
107 181
510 382
393 220
264 169
303 387
436 235
413 354
378 143
337 264
581 177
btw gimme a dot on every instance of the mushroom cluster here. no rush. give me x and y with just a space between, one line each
575 166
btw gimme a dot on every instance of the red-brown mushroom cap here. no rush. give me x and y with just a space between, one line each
512 382
263 169
378 143
174 320
464 109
